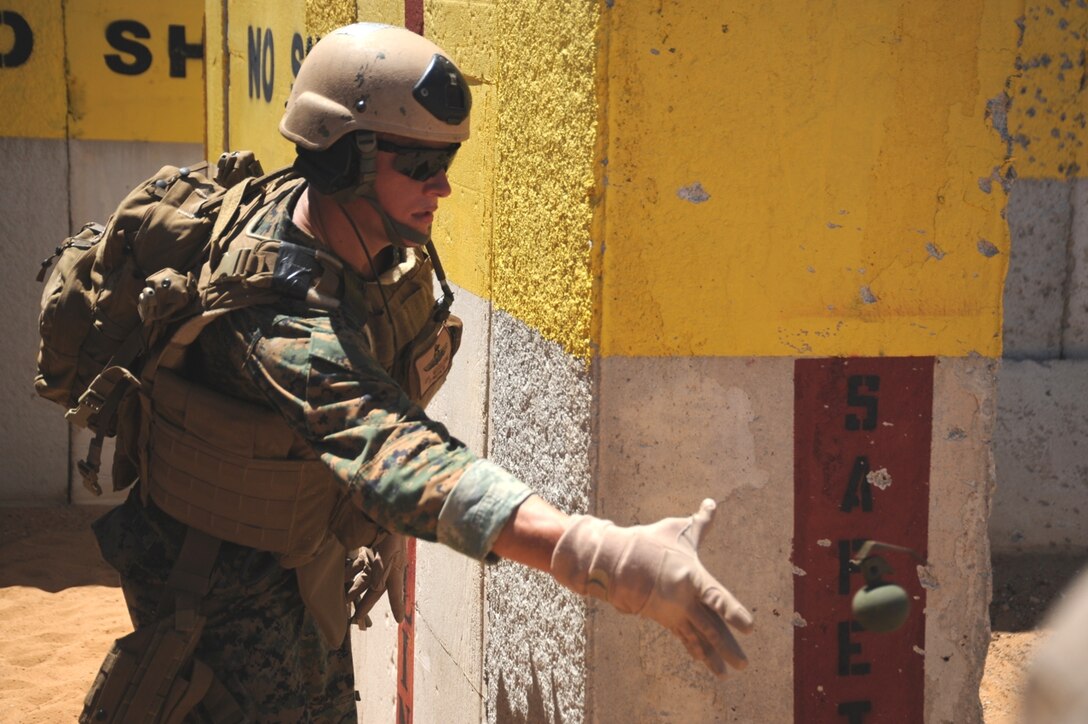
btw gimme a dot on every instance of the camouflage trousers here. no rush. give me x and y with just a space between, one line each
259 640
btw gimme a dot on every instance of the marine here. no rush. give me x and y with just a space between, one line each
284 452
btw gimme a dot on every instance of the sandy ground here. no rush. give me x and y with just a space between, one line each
60 608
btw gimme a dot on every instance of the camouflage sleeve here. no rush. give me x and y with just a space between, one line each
402 469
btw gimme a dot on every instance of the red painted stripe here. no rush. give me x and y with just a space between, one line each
413 15
406 643
853 416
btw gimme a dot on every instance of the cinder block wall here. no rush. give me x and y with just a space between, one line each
1041 438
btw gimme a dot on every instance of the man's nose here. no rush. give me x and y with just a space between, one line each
438 185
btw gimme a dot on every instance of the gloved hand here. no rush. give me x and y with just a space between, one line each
654 571
374 571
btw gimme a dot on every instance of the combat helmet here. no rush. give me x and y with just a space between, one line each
364 79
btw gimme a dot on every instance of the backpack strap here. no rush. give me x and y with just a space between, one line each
232 201
191 577
96 408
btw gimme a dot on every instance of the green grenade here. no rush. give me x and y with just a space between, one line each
879 606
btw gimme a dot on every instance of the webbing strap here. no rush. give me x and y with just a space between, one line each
183 699
88 409
173 350
97 406
231 201
190 578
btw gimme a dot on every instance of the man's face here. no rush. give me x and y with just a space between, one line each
411 202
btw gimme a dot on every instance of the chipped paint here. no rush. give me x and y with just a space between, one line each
695 193
987 249
879 478
899 111
1046 124
927 578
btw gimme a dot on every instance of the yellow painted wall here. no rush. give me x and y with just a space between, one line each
464 228
250 75
548 111
32 85
103 70
805 179
760 178
1048 115
521 221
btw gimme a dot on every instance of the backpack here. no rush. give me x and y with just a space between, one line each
117 290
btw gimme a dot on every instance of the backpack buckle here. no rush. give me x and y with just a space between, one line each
89 405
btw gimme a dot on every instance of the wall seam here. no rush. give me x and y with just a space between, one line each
68 199
1070 262
599 229
488 298
224 15
1070 239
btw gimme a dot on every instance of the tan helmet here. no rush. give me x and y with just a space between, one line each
381 78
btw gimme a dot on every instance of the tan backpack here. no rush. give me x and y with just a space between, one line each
117 289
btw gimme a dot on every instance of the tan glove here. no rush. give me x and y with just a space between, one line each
654 571
374 571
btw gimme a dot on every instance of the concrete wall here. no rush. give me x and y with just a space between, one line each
736 193
1039 442
794 222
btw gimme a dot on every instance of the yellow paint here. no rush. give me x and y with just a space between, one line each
804 179
260 74
32 92
325 15
215 79
464 226
95 101
546 83
380 11
150 103
1047 115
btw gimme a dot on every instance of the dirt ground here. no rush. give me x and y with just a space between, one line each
1025 586
60 608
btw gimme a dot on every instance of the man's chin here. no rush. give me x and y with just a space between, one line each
424 230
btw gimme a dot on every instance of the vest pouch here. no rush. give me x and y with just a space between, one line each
148 676
425 364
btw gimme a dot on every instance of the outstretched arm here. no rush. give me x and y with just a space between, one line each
531 534
653 571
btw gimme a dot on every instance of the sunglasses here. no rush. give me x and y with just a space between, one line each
418 162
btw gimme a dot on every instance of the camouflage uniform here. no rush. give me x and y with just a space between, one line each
403 471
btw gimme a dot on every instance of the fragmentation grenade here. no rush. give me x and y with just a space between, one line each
879 605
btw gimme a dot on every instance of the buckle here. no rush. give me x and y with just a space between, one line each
89 405
90 476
